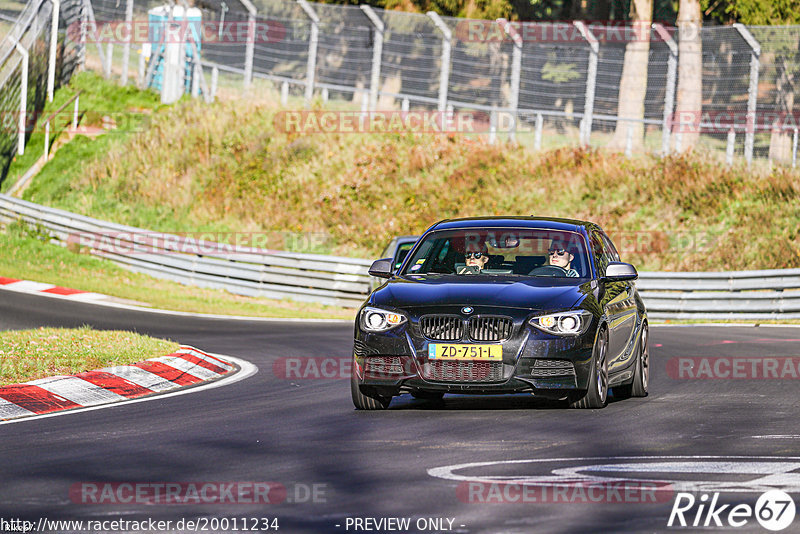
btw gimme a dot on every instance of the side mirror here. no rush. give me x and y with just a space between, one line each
381 268
618 271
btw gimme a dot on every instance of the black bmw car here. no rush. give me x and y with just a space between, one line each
503 305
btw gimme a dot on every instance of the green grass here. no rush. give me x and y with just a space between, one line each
31 354
26 256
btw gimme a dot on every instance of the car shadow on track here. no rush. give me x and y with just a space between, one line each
483 402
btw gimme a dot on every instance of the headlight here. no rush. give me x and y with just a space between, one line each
571 323
378 320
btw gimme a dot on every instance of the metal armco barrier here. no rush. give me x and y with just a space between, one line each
247 271
742 295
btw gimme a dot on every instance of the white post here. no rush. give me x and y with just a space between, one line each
629 140
377 53
249 50
284 93
591 79
537 136
324 94
516 67
404 105
752 90
669 91
46 139
110 54
126 48
794 148
444 73
493 127
75 113
313 43
23 95
730 147
51 67
214 78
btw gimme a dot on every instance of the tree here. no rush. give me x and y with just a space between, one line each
633 85
689 101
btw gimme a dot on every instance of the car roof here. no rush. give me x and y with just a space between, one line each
550 223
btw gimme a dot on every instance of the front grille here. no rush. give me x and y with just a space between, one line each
442 327
458 371
383 365
549 368
490 328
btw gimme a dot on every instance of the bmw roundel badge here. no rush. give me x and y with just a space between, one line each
466 310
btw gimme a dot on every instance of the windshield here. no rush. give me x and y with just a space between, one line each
501 251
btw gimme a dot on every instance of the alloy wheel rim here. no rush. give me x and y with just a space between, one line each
645 359
601 372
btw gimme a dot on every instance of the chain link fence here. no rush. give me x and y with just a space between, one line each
540 84
33 61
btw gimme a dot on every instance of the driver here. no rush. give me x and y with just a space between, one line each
560 256
475 258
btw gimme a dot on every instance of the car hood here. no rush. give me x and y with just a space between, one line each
516 292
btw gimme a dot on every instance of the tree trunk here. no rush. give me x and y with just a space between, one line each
633 85
689 101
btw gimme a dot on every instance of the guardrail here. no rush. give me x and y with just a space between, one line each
742 295
242 270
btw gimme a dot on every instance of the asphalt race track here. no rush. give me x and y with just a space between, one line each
305 435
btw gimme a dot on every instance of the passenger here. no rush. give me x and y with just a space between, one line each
561 256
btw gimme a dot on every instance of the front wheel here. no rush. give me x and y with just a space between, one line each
597 394
366 402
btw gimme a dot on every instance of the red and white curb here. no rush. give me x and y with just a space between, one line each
187 366
26 286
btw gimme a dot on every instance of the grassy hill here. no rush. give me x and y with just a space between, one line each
225 167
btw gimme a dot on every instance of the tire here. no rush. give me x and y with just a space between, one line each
427 395
366 402
641 373
597 394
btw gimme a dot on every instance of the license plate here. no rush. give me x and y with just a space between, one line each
447 351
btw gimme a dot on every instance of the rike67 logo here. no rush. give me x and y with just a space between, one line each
774 510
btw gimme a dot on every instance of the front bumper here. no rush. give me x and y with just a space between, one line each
533 361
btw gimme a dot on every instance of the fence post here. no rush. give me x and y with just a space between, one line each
91 19
752 90
51 66
46 139
444 74
669 92
23 94
75 113
794 148
110 55
313 43
377 53
537 136
493 127
591 80
284 93
516 68
126 48
250 45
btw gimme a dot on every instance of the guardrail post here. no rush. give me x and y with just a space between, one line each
669 92
444 73
126 48
516 68
377 53
313 43
23 95
591 80
752 90
51 61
